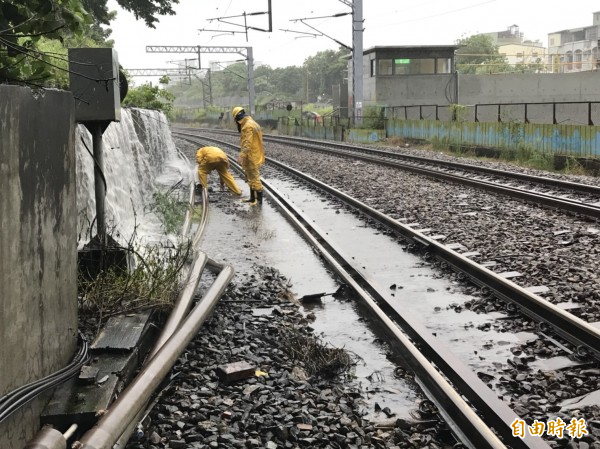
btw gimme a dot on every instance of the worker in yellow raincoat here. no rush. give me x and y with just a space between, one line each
252 152
213 158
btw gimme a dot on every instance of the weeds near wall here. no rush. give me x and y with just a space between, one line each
458 112
373 118
152 280
169 209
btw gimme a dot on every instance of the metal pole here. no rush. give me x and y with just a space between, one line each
250 79
110 427
99 180
357 57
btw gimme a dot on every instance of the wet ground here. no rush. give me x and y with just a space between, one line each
244 236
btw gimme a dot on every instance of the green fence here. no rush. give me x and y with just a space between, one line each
573 140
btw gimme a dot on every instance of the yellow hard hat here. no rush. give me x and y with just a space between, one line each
236 111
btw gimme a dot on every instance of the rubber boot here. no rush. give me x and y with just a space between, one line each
259 196
252 199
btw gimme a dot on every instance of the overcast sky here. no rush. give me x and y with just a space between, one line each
387 22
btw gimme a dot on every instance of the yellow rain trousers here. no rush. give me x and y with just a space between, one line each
213 158
252 152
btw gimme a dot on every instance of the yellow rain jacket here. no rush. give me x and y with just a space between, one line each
251 143
210 155
252 152
213 158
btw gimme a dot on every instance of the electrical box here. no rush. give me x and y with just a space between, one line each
94 80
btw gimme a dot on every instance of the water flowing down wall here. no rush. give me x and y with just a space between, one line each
139 158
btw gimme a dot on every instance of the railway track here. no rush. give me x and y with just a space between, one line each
567 326
584 337
577 198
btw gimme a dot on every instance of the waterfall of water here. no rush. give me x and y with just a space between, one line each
139 158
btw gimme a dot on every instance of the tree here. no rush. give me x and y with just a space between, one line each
324 70
23 23
148 96
26 23
147 10
320 71
478 54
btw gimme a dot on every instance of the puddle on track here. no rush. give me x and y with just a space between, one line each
418 290
259 235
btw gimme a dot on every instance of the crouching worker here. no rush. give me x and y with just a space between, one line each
213 158
252 152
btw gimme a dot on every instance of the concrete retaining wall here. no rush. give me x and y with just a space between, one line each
38 245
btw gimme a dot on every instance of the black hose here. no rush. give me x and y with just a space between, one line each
28 387
14 400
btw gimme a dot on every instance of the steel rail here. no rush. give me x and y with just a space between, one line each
560 183
570 327
569 205
423 354
420 355
573 206
536 197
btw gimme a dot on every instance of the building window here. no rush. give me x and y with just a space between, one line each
444 65
569 61
402 66
552 41
577 59
422 66
384 67
410 66
405 66
535 54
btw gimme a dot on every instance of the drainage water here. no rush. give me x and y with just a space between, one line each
139 158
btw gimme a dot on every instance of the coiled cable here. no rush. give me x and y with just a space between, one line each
14 400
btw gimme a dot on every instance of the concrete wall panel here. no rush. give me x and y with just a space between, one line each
482 89
38 244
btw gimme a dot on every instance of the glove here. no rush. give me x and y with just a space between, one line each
242 159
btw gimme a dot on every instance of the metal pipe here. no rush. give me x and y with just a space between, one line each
98 181
179 311
48 438
203 220
183 304
106 432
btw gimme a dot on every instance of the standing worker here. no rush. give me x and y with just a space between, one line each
213 158
252 152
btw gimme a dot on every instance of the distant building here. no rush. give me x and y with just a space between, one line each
512 45
575 50
511 35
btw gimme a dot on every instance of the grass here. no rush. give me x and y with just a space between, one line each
317 358
153 281
523 156
169 209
